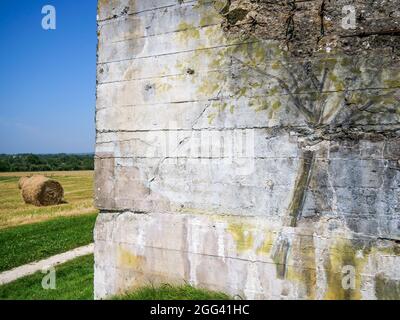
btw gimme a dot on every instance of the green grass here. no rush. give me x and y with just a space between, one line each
28 243
169 292
78 187
74 281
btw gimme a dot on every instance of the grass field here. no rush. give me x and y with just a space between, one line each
28 243
78 188
74 281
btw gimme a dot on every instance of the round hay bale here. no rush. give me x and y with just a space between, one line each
22 181
41 191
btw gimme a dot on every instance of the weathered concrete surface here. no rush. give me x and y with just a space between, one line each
236 155
238 255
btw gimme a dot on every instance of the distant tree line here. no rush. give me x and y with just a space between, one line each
46 162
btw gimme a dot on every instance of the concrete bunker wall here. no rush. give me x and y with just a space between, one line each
243 158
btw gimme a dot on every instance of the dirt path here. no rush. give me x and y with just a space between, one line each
31 268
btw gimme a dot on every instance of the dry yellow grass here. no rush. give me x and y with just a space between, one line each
48 173
78 187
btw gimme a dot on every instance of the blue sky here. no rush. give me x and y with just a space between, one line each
47 78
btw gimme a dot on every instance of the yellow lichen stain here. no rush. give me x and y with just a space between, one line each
260 53
346 61
327 63
255 85
392 250
266 245
241 92
200 3
220 106
339 86
211 117
273 91
216 63
343 254
126 259
214 35
337 83
220 5
259 106
209 17
208 88
207 20
276 105
163 87
356 98
355 70
187 31
392 83
242 235
382 101
385 287
276 65
302 267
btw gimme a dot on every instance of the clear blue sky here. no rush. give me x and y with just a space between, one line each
47 78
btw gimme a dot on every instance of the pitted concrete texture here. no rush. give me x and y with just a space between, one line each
245 256
249 146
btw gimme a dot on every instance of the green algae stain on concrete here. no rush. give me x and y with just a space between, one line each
302 266
242 236
280 255
386 289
